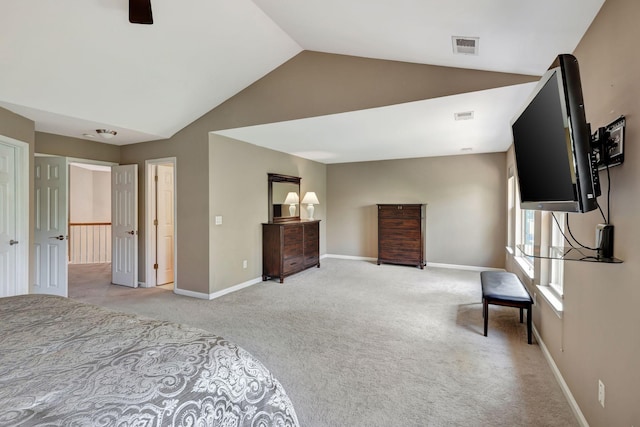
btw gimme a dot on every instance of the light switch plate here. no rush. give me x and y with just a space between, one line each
218 219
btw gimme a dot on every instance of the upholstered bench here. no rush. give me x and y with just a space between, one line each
504 288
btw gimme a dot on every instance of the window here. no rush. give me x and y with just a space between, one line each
527 230
556 273
552 275
511 212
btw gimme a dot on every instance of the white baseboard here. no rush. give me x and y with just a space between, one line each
354 258
561 382
462 267
218 294
429 264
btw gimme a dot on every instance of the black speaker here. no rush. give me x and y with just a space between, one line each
604 240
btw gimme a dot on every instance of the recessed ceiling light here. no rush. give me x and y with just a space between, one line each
106 133
463 115
465 45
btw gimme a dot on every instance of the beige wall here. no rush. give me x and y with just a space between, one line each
308 85
464 197
89 195
65 146
598 337
238 193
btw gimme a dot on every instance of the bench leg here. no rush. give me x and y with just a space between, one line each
521 310
528 323
485 314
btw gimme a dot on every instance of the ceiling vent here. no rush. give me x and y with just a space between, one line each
465 45
465 115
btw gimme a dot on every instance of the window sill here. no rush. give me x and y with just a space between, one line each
552 298
524 266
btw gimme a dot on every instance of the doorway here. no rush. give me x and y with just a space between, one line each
160 222
89 249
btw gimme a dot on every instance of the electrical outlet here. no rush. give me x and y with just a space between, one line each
601 392
244 263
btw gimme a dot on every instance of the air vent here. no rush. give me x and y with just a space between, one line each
465 115
465 45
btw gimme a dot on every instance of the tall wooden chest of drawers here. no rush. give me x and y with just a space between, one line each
401 231
289 247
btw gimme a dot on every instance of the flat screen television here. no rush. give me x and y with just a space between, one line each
552 142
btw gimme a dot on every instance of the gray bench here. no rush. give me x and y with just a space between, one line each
504 288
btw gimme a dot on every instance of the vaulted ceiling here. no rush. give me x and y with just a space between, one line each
75 66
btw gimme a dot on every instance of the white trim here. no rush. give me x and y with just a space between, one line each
191 294
463 267
552 299
22 172
429 264
354 258
525 267
219 293
561 382
148 221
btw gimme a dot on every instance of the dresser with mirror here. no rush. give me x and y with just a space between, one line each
289 244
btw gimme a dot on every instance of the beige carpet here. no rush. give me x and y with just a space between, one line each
357 344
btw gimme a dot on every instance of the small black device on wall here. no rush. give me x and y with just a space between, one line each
608 144
604 240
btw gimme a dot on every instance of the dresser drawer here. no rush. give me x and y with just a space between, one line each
293 264
399 211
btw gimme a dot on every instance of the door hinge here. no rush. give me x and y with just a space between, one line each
155 222
155 266
155 178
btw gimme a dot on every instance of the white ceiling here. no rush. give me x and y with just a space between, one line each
74 66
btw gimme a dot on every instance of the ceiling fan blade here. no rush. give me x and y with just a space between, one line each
140 12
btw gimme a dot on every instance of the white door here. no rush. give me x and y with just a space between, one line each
8 232
124 228
51 210
164 217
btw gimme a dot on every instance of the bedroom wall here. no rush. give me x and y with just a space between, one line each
90 195
22 129
464 197
597 337
238 193
58 145
310 84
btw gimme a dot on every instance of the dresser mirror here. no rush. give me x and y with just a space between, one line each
284 197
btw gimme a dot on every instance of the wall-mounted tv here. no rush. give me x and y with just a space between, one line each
552 142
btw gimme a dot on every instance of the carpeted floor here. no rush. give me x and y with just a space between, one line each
357 344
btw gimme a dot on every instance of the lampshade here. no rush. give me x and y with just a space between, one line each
310 198
292 198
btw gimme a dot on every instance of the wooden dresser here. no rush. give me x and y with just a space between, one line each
401 231
289 247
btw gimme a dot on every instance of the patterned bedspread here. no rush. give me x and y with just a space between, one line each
64 363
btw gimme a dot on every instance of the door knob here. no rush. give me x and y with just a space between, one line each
131 232
13 242
60 237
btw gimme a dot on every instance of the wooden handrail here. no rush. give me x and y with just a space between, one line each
71 224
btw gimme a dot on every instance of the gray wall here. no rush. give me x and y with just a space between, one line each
465 196
597 337
57 145
238 193
308 85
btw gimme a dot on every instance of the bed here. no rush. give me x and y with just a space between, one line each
65 363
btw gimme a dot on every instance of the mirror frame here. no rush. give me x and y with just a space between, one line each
276 177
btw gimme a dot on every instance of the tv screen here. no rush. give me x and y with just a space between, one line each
552 144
